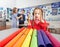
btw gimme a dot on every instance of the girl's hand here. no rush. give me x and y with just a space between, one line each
41 20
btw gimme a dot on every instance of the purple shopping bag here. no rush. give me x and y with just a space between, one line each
46 39
40 40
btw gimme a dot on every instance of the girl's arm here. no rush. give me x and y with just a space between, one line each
29 22
44 25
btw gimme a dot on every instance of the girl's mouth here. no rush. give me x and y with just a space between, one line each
36 18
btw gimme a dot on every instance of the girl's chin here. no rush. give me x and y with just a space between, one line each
37 21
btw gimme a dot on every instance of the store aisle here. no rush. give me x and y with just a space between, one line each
7 32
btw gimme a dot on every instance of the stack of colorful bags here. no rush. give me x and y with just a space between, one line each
28 37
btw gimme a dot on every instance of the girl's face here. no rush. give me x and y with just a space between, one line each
37 14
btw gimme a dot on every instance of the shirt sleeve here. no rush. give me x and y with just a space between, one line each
23 17
18 15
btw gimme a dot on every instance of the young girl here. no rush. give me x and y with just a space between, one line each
38 22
